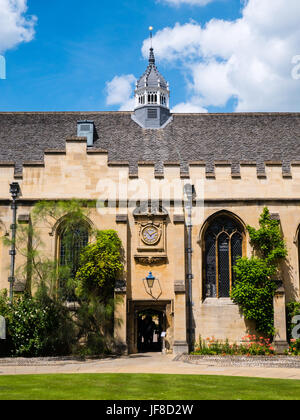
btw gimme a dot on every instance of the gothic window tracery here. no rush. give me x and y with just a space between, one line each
223 244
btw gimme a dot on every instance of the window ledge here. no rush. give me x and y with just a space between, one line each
218 302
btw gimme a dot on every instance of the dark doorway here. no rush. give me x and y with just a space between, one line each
150 326
161 313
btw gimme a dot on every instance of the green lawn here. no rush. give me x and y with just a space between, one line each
146 387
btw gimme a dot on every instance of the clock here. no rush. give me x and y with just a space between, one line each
151 235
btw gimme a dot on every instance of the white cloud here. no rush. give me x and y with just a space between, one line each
119 92
249 59
189 107
180 42
190 2
15 26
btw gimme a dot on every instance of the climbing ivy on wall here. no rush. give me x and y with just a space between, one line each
255 284
100 266
39 322
39 267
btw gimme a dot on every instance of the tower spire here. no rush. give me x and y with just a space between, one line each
151 55
152 96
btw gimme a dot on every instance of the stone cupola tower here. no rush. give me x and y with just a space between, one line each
152 98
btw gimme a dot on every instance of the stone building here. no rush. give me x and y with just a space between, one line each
140 163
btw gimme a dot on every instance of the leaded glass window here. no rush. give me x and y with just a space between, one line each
223 245
71 243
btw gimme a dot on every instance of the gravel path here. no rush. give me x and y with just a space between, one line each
243 361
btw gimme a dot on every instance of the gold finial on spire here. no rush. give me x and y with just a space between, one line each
151 57
151 30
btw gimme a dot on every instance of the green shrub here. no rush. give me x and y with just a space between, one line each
95 321
42 325
254 287
100 266
254 291
36 327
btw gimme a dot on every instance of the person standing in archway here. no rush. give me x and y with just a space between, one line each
149 327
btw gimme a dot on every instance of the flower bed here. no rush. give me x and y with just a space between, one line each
294 348
245 361
253 346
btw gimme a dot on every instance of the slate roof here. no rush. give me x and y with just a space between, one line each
152 77
254 137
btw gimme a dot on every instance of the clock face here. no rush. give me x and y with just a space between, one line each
150 235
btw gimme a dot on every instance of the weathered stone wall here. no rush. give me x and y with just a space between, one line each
86 174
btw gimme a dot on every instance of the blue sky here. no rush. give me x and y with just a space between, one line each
77 48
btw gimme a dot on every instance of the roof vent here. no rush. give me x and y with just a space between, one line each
152 113
86 129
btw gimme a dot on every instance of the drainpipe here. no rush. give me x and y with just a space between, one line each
15 191
189 192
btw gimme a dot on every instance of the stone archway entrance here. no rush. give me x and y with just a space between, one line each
146 321
150 325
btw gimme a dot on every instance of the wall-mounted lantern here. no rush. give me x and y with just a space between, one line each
152 286
150 280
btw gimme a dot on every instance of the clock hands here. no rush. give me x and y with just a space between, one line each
150 234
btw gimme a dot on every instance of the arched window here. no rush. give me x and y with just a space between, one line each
152 97
72 240
223 244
